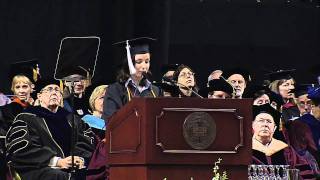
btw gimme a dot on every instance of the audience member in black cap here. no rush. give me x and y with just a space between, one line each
132 79
217 89
282 83
78 103
39 143
262 95
268 150
23 75
76 65
168 71
238 78
302 100
185 81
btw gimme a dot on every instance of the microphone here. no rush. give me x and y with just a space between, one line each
169 81
145 76
176 83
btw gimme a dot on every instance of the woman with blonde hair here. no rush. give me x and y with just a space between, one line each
98 126
22 87
96 104
22 75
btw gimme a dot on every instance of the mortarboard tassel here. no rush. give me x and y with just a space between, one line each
34 75
130 64
61 85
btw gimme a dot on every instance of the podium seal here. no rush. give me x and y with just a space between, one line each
199 130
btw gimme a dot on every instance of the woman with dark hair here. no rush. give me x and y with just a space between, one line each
186 82
132 80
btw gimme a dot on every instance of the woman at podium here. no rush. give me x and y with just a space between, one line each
132 79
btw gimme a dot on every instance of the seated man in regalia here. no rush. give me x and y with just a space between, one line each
39 143
267 150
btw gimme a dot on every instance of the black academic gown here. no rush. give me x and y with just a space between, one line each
290 111
38 135
79 106
117 96
7 115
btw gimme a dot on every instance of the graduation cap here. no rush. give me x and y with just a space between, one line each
314 93
77 58
218 85
266 108
169 67
280 74
43 82
243 72
135 46
302 89
27 68
254 90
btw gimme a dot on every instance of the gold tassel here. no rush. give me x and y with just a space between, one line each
61 85
35 75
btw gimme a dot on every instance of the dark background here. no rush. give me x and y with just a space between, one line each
205 34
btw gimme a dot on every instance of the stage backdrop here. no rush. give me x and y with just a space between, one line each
205 34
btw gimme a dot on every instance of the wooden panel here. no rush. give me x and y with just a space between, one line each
134 133
170 172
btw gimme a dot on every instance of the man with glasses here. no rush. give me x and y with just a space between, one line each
302 100
270 151
39 141
299 132
313 119
185 81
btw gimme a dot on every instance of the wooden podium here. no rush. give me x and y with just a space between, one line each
147 141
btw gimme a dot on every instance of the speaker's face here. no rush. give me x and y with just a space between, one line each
142 63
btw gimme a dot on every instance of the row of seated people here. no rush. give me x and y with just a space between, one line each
296 137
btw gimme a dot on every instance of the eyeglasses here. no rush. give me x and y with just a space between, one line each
184 74
52 89
268 121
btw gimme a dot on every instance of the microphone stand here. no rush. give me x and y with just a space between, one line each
72 79
171 81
